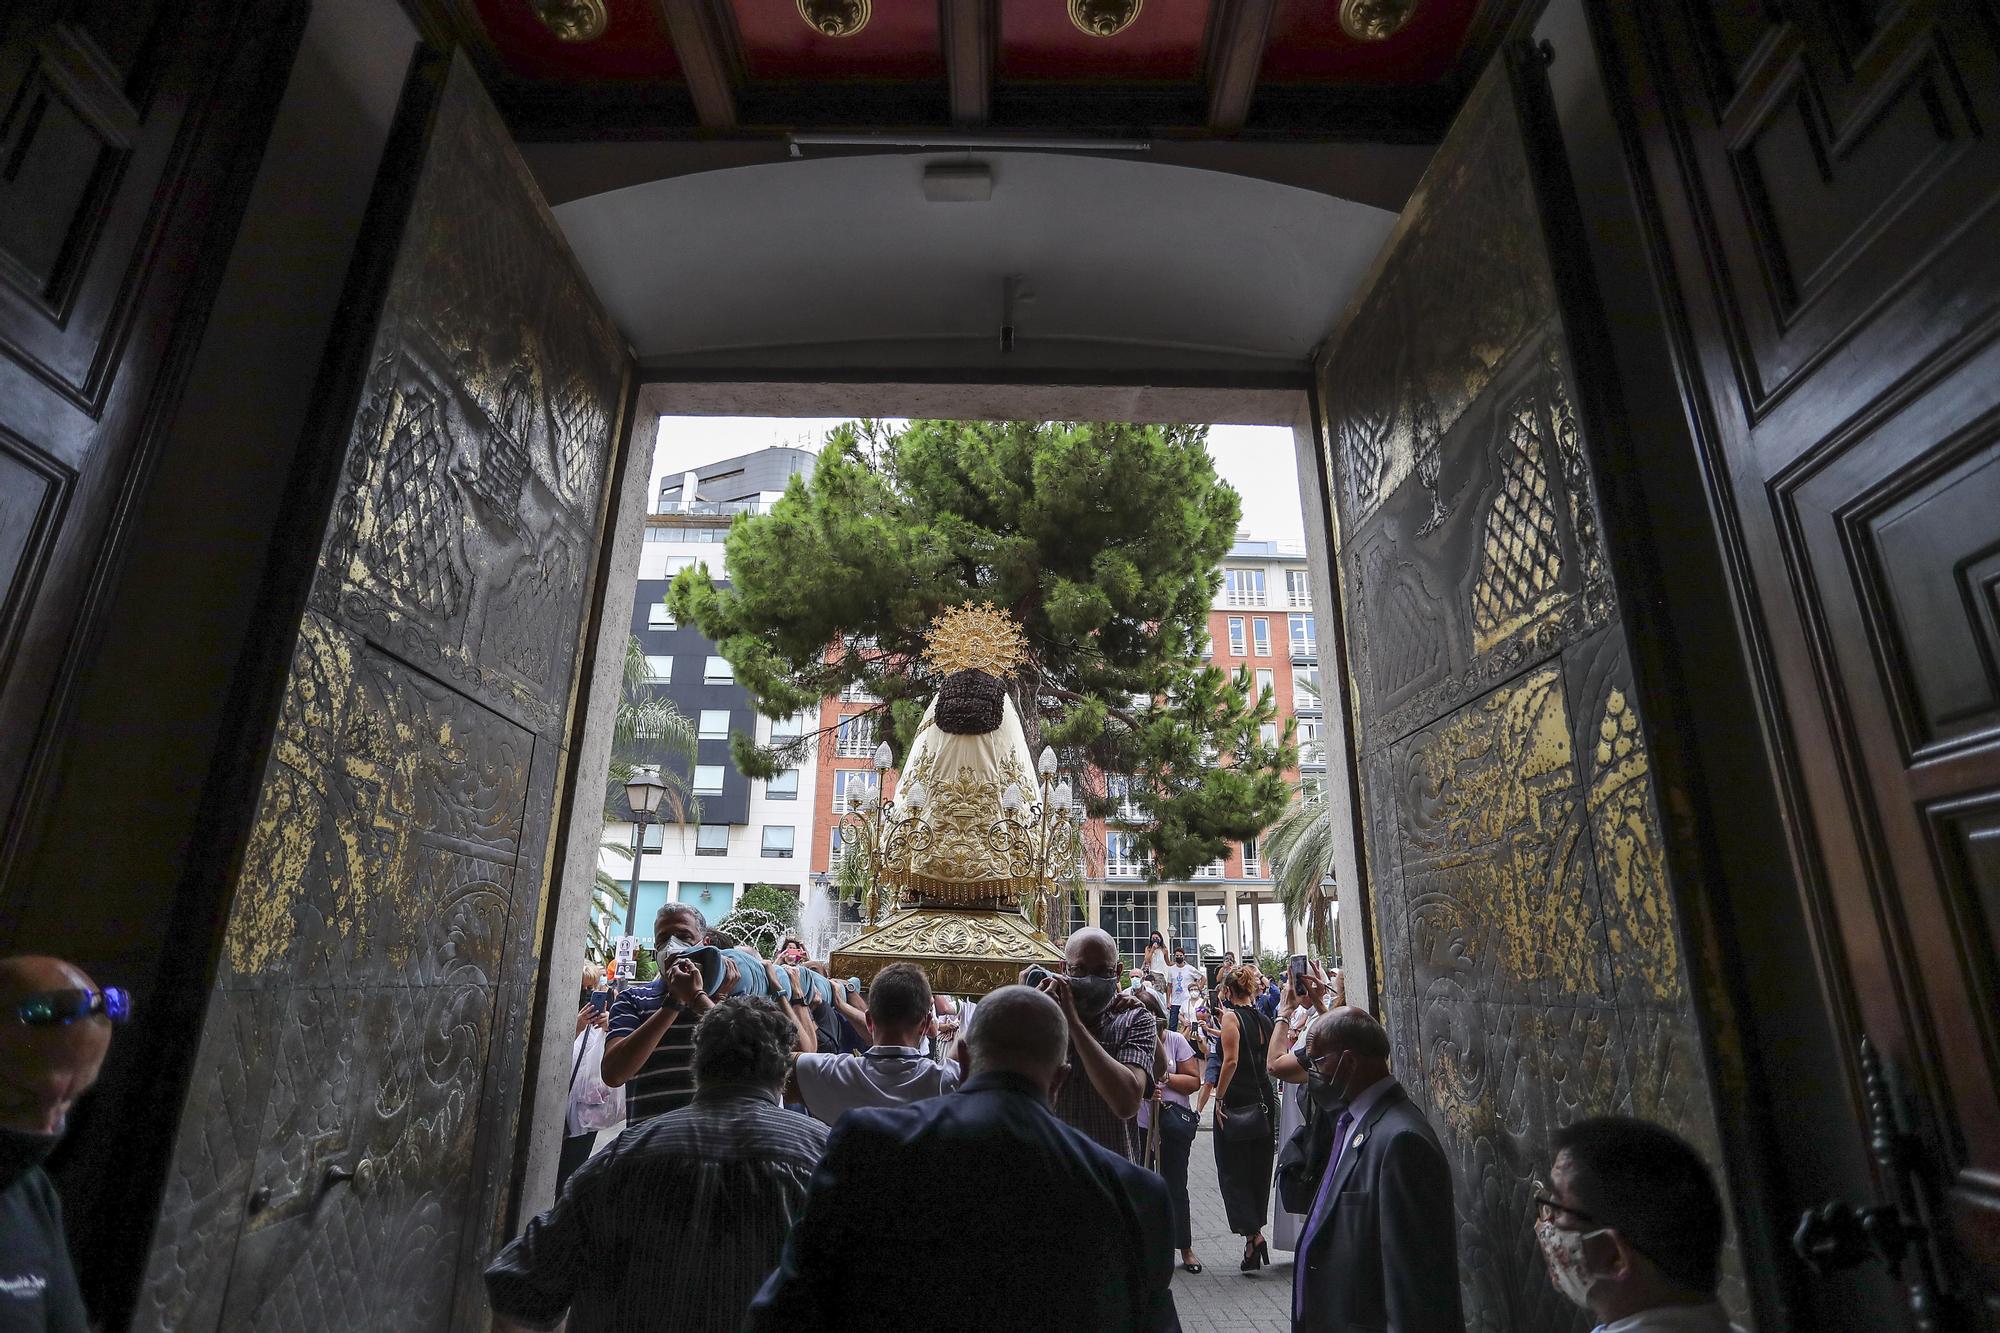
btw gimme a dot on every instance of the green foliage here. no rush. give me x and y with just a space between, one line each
1299 848
1102 538
764 914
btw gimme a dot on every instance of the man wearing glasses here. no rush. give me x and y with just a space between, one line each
1379 1247
1630 1226
1111 1043
55 1026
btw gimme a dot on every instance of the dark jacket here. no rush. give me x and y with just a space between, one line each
1037 1226
37 1285
1382 1252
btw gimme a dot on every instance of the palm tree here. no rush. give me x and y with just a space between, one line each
646 725
1300 849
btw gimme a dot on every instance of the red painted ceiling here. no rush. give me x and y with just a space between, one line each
1306 45
1164 43
634 47
900 42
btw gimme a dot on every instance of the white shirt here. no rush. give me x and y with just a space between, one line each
1358 1109
832 1085
1709 1318
1183 977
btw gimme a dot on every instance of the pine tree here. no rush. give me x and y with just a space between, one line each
1102 538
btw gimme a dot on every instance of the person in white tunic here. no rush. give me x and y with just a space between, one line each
1286 1062
1630 1225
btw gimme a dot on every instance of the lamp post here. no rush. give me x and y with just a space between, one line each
643 793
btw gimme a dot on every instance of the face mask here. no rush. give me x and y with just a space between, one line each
1093 995
21 1151
1569 1271
1326 1094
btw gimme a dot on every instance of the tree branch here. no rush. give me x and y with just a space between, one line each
1068 696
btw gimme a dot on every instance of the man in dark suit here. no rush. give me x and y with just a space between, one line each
1379 1248
1040 1227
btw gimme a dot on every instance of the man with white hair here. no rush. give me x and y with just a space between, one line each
1044 1228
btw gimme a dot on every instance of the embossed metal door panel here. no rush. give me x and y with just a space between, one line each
1530 962
347 1145
1825 181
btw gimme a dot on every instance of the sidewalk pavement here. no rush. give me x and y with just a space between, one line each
1219 1299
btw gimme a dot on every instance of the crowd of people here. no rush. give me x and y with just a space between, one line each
805 1154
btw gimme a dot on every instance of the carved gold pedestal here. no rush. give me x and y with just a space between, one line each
964 950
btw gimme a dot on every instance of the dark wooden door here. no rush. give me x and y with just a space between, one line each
347 1149
1826 176
128 136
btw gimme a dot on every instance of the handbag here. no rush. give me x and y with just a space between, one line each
1246 1124
1302 1161
596 1105
1178 1123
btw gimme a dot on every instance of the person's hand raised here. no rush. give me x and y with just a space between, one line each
584 1017
730 976
683 981
1057 989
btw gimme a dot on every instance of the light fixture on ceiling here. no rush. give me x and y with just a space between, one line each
835 18
573 20
1103 18
1373 20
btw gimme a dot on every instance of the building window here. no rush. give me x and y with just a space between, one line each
659 617
783 786
1130 916
717 671
659 669
1298 588
654 534
1213 870
1122 790
656 837
1245 586
1183 924
1253 867
1267 682
711 840
1121 856
714 724
850 784
1307 684
778 840
1260 636
1309 752
708 779
1267 733
835 848
676 563
787 728
1236 635
1305 640
714 900
855 737
857 693
1207 646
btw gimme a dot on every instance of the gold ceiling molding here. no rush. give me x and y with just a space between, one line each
573 20
835 18
1103 18
1373 20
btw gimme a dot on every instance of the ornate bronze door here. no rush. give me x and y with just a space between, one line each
346 1150
1824 182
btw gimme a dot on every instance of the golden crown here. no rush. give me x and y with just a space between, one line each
978 636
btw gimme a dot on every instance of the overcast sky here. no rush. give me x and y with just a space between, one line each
1256 460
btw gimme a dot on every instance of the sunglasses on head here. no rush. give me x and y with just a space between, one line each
52 1007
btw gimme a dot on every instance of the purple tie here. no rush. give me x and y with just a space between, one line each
1316 1214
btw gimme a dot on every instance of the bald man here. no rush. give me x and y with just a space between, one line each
1039 1226
55 1027
1112 1040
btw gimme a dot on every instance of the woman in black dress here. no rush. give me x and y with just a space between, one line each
1246 1115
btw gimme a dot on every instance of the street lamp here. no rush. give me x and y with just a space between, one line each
643 793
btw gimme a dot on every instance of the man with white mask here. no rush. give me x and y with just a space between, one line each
1630 1225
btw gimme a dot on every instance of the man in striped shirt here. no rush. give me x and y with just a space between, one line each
651 1040
675 1224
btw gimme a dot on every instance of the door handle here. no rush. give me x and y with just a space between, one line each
1836 1235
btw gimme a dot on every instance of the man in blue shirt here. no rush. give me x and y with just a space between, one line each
650 1048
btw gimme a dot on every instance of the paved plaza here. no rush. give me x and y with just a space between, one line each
1219 1299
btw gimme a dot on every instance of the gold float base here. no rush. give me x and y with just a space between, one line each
963 950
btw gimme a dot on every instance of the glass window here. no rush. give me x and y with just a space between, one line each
1122 790
788 728
1245 586
655 837
717 671
855 737
1183 922
659 617
1213 870
850 783
1307 683
1130 915
1260 636
714 724
1298 588
1236 635
1267 682
676 563
711 840
1121 856
857 693
1252 864
1304 637
783 786
708 779
1267 732
778 840
659 669
714 900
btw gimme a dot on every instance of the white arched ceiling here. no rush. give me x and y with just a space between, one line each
841 261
